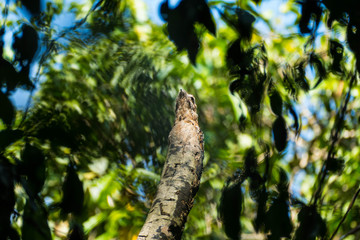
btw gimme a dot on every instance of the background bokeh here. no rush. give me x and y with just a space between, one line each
88 94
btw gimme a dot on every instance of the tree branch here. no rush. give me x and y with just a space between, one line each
180 177
352 231
347 212
334 138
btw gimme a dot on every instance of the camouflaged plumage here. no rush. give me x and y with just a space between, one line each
181 175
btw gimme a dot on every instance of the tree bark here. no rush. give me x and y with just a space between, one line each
180 177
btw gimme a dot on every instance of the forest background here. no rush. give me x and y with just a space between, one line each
81 158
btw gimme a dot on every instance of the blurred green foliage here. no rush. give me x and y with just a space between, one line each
279 113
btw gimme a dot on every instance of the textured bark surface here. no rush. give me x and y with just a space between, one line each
180 177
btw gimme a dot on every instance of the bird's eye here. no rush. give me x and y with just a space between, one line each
192 99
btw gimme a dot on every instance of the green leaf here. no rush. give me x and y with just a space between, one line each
34 167
7 111
32 5
352 35
309 11
9 75
230 209
181 28
76 233
280 133
336 51
7 197
250 163
335 165
239 59
283 183
299 76
58 130
24 80
35 225
311 224
278 220
235 85
26 45
280 210
164 10
13 234
73 192
204 16
316 62
276 102
297 123
240 20
181 23
257 1
261 209
146 174
256 181
8 136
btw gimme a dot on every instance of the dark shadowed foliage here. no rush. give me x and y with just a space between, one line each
82 158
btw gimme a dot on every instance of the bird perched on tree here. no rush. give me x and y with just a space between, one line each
185 113
180 177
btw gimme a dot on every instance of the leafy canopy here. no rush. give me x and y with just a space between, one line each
279 113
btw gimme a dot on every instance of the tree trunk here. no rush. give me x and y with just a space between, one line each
180 177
